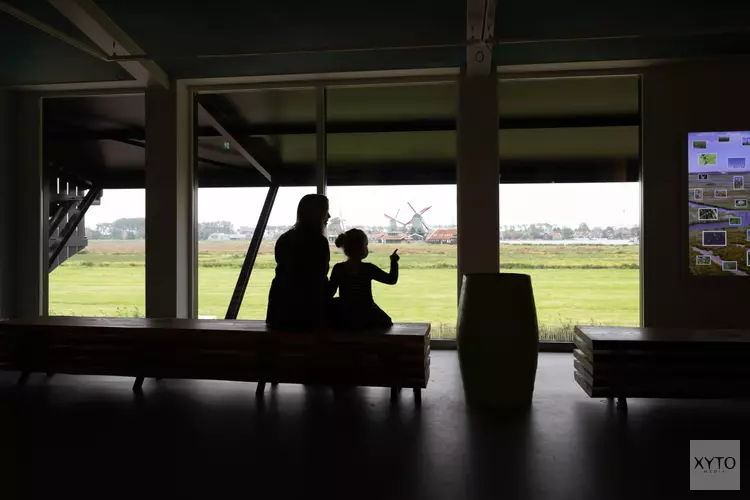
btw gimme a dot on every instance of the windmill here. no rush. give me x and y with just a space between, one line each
418 226
336 226
393 225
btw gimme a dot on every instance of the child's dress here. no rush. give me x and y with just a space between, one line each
355 308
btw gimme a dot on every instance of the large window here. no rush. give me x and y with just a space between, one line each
419 221
580 245
226 223
103 271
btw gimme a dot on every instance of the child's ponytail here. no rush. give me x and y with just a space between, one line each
341 240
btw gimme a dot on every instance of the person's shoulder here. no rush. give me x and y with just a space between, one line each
285 236
369 267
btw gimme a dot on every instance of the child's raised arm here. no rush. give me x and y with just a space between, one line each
390 278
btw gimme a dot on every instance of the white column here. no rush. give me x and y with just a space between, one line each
31 266
170 238
477 175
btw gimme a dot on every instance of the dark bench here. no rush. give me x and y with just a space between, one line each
218 350
624 362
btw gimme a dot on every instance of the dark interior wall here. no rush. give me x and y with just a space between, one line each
677 100
553 19
7 183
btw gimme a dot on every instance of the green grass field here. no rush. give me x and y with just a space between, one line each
572 284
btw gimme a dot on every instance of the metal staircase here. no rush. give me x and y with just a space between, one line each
68 204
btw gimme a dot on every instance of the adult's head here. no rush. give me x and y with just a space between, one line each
312 212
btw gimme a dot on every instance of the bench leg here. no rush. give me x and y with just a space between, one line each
260 390
23 378
622 404
138 385
418 396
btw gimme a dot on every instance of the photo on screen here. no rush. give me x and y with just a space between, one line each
707 159
729 265
714 238
736 163
708 214
718 198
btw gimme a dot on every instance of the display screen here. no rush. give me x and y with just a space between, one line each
719 219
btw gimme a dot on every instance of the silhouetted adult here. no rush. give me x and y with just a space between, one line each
300 291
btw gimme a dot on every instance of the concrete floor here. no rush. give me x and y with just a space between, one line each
91 437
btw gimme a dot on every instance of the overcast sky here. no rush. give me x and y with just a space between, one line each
598 204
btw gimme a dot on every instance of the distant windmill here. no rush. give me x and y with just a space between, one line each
336 226
393 225
418 226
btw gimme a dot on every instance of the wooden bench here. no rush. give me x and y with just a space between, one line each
623 362
218 350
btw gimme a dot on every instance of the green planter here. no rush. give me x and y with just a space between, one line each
498 340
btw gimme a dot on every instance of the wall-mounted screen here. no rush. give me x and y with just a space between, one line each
718 194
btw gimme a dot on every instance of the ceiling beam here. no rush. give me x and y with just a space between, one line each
221 114
480 30
63 132
108 36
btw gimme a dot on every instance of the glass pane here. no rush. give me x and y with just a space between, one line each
103 273
412 220
580 244
226 220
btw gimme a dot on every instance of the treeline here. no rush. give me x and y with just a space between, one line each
135 229
546 231
121 229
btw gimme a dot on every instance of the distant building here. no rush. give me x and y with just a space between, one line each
392 238
557 236
443 236
219 237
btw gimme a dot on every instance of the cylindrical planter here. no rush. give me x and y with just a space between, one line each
498 340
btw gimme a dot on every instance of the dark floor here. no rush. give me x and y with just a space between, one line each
75 437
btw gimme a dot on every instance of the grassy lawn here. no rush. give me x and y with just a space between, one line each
572 284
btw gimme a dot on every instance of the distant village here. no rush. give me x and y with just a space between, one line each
394 232
448 235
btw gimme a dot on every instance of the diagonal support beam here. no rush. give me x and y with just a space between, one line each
63 209
108 36
217 109
252 253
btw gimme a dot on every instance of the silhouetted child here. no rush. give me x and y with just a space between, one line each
356 309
